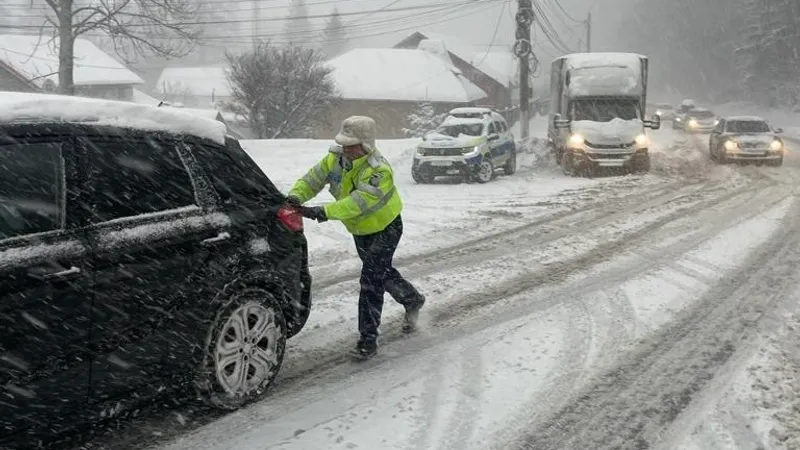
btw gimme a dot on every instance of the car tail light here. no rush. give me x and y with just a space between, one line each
291 218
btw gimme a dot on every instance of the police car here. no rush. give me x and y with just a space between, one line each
470 143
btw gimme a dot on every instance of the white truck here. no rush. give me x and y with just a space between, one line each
597 112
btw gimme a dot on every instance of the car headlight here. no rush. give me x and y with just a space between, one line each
692 123
421 151
576 140
658 113
731 145
466 150
641 140
776 145
678 119
716 122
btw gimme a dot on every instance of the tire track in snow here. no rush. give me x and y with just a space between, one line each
627 406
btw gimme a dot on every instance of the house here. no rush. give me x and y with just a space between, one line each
30 63
493 71
197 87
395 83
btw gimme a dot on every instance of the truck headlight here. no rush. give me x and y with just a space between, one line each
692 123
467 150
776 145
421 151
576 140
658 113
731 145
641 140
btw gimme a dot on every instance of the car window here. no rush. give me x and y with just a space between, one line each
31 188
131 177
235 176
492 128
748 126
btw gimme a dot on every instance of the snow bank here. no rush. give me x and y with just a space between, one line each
22 107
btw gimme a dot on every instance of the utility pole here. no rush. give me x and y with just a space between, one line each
523 50
589 32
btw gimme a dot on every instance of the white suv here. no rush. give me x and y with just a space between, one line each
471 142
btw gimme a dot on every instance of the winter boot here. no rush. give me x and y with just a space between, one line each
412 315
365 350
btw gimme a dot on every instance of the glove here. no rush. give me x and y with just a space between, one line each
314 213
293 202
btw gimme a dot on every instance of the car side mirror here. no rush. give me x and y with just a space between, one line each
779 130
493 137
559 122
654 122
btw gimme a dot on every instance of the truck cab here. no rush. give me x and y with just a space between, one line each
598 108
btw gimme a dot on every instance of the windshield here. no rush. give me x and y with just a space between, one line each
701 115
662 106
605 110
470 129
747 126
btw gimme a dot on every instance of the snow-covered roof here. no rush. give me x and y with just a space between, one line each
603 59
603 73
746 118
36 58
24 107
501 66
470 110
400 74
202 81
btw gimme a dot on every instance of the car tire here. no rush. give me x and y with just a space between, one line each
642 165
420 178
511 165
485 172
567 166
243 351
721 159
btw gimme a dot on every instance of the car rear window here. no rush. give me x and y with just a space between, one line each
235 176
31 188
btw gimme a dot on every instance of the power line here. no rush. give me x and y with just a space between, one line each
494 35
558 3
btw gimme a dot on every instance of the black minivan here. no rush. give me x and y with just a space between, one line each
134 261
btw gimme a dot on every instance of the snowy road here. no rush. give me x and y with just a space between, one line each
563 313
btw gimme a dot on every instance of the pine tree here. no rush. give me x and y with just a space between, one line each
334 37
422 120
298 27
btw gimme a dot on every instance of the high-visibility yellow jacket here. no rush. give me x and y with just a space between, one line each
366 197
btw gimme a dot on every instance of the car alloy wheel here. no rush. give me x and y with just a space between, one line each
485 171
244 352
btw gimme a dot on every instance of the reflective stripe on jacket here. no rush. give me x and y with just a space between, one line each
367 200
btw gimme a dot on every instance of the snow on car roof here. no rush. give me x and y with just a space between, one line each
745 119
25 107
603 59
470 110
452 120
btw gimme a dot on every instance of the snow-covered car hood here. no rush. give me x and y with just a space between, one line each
436 140
760 140
617 131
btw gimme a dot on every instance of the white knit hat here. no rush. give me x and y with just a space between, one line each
357 130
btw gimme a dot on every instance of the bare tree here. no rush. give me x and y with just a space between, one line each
282 91
160 27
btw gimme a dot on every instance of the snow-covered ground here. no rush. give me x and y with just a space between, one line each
617 312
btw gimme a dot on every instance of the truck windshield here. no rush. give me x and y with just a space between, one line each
470 129
605 110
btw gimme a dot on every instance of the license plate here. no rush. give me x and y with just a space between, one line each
453 172
442 163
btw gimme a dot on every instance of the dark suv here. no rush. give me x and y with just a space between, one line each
133 262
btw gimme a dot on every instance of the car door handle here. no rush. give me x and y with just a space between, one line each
223 236
61 274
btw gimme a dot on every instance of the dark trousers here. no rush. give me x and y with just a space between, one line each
379 276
